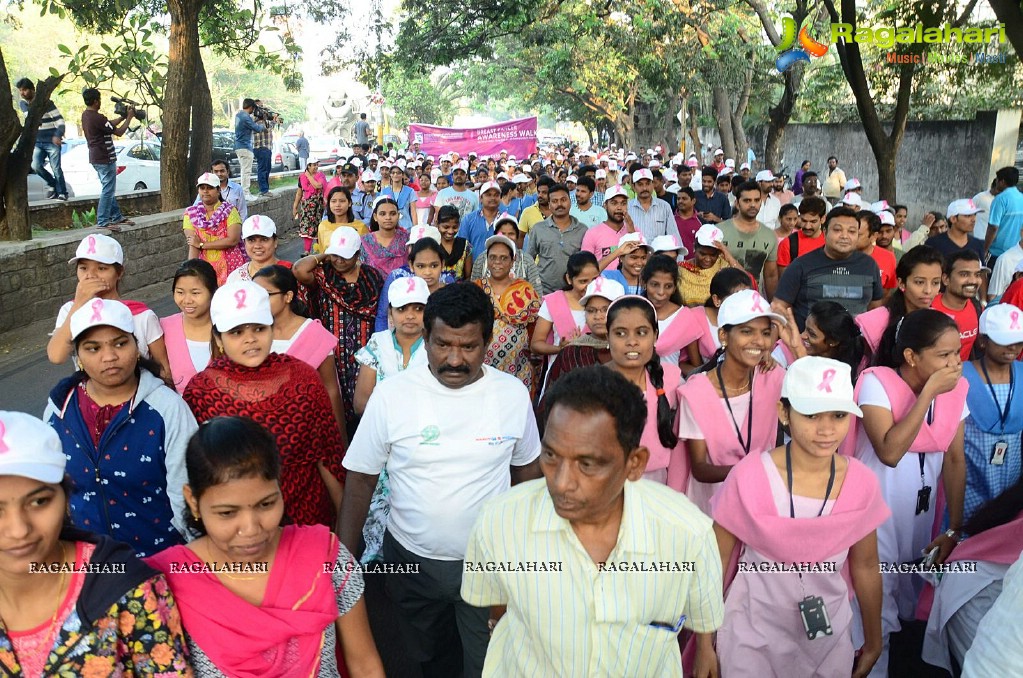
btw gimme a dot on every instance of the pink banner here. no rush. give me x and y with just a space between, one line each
518 137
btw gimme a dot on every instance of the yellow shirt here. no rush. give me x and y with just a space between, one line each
531 216
566 616
694 282
326 228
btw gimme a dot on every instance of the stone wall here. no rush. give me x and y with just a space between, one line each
938 161
56 215
35 278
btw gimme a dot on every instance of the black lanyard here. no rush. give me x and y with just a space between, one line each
788 473
920 455
749 415
1004 414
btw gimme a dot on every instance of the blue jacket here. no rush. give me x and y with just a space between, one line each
244 126
130 488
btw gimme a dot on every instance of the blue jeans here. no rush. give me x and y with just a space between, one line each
44 150
107 212
263 161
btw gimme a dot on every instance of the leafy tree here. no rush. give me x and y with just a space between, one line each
416 98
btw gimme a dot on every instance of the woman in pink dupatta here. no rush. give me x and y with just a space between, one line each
805 504
213 230
258 600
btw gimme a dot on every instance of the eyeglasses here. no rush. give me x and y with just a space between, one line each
273 294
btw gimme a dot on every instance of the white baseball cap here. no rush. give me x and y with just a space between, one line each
718 151
708 234
880 206
240 303
616 191
692 162
503 175
602 287
417 233
506 217
410 290
462 165
600 174
494 239
814 384
886 217
853 184
571 179
746 166
963 206
520 179
654 164
765 175
372 156
368 175
344 242
101 312
1002 324
99 247
730 163
30 448
744 306
673 188
258 224
357 161
642 174
490 186
668 243
208 179
853 200
669 174
636 237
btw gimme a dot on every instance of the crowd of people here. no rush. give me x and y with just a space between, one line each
586 413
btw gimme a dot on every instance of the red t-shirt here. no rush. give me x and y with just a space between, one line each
1013 294
805 245
886 262
967 322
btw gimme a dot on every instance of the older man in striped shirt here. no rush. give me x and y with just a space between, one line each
596 572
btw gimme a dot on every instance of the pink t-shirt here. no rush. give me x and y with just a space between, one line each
308 190
602 240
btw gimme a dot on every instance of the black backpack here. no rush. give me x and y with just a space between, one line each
793 244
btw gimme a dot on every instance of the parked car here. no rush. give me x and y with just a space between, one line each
223 149
37 188
329 149
138 168
285 158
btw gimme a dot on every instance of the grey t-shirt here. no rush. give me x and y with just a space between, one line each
752 250
362 132
813 277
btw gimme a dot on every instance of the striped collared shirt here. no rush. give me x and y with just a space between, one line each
568 616
655 221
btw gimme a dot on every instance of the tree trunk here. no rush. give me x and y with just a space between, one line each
671 138
201 146
780 114
176 186
723 116
1010 13
694 133
17 144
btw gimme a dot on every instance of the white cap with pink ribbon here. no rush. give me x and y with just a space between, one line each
814 384
30 448
240 303
100 312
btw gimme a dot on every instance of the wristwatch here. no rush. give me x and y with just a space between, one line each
200 245
952 534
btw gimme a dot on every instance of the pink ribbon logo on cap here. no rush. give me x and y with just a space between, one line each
92 245
411 286
97 311
255 223
3 443
598 284
826 379
1014 320
239 296
756 307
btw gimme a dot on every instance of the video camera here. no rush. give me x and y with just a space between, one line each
121 108
269 117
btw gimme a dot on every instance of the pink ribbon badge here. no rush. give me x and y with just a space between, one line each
1014 320
756 304
826 379
97 311
411 286
92 245
3 443
255 223
239 296
598 284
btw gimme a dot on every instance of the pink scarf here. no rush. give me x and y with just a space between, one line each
177 351
933 437
745 506
688 326
723 447
313 344
561 315
246 641
872 326
675 460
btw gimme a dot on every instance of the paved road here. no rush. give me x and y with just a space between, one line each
25 382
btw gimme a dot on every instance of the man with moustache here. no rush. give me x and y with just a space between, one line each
594 536
553 240
752 244
602 240
836 272
453 434
808 236
479 225
458 194
962 276
711 205
539 210
651 215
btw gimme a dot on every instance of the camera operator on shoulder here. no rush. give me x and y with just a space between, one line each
262 144
99 133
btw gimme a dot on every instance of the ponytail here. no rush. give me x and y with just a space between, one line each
665 412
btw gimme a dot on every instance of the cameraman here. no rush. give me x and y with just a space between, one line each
262 146
48 141
99 133
244 126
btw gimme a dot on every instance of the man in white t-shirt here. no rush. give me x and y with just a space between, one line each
452 434
770 206
458 194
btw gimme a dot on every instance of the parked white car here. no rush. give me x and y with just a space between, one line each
138 168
